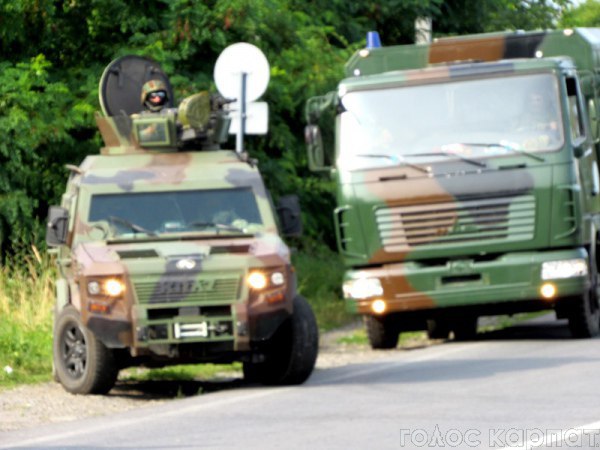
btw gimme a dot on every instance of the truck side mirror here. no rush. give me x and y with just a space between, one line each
315 149
579 147
288 210
57 226
320 110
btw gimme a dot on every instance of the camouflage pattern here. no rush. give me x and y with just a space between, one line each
453 232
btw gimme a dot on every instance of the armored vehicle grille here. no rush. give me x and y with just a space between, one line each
485 220
188 290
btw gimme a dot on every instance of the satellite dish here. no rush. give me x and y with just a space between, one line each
122 81
237 59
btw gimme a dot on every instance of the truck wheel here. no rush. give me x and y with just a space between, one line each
584 317
382 333
83 364
465 328
291 353
438 329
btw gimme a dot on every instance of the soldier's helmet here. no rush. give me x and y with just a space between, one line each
154 95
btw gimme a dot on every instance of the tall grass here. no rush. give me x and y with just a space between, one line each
320 275
26 301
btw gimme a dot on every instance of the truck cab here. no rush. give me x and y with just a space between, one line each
467 181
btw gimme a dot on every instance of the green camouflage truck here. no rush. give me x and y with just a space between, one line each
467 180
168 248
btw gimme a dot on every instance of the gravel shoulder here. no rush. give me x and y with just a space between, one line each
32 405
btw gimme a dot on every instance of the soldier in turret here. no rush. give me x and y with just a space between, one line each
154 95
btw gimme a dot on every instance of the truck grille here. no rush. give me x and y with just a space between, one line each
499 219
200 290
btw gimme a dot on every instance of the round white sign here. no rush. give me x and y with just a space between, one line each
237 59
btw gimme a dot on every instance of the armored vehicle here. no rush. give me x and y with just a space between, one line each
467 180
168 248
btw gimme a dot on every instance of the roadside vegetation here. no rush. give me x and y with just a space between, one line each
26 302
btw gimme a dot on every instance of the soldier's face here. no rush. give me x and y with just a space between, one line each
157 98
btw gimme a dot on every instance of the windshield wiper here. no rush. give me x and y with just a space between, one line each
396 160
462 158
507 146
216 226
133 226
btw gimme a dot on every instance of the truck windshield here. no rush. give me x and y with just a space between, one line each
156 213
473 119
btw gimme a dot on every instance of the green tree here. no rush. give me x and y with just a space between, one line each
585 15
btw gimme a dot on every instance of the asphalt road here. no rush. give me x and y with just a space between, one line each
530 385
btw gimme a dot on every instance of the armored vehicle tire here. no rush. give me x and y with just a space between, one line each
291 353
438 329
584 317
83 364
382 332
465 328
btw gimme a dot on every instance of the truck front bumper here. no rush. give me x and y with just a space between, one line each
514 277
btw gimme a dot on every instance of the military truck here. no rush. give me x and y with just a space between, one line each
467 180
168 247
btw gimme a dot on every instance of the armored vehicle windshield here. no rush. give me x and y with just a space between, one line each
159 213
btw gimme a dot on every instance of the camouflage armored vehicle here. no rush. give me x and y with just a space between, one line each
168 248
467 180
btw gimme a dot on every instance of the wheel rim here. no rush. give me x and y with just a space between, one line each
74 351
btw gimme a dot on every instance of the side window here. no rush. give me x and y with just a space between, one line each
575 113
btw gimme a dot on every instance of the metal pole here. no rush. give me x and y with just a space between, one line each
239 142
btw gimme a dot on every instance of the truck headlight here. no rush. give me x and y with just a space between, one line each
362 288
110 287
567 268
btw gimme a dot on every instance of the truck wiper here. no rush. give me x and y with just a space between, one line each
507 146
396 160
133 226
462 158
216 226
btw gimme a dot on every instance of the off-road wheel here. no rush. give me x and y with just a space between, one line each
292 351
465 328
382 332
82 363
438 329
584 314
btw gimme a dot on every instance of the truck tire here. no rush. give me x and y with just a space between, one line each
83 364
382 332
291 353
584 316
465 328
438 329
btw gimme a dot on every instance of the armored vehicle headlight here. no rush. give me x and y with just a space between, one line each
93 288
257 280
568 268
277 278
114 287
362 288
111 287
